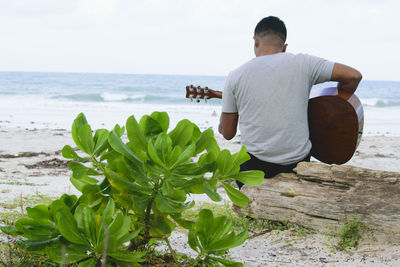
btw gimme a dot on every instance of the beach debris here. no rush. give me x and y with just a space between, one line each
23 155
49 164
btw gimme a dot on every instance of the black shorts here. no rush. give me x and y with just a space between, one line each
270 169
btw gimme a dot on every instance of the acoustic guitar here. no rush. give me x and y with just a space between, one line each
335 121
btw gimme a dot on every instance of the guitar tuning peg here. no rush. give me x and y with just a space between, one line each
191 97
191 88
206 90
205 98
198 89
198 98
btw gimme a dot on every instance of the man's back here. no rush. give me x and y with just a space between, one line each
269 97
270 93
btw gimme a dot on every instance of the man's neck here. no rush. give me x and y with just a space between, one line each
268 50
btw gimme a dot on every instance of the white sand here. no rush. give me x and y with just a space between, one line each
272 249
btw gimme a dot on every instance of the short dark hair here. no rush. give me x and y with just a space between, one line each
272 25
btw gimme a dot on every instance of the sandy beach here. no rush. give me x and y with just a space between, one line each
32 169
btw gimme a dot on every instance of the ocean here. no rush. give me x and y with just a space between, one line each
37 100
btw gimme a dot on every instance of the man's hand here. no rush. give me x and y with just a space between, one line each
347 77
228 124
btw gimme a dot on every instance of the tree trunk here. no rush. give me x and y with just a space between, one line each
325 197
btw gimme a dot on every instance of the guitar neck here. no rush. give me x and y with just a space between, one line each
193 92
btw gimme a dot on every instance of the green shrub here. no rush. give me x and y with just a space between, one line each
133 192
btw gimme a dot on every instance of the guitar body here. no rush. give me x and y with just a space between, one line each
335 121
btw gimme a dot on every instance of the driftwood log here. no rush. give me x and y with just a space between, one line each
325 197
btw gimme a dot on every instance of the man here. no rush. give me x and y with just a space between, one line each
268 97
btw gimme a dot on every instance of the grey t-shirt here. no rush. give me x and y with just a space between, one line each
271 93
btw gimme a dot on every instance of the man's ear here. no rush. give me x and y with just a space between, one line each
256 42
284 48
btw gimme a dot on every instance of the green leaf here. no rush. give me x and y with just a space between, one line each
137 172
82 182
226 263
167 188
85 219
79 169
182 222
38 212
240 238
121 183
177 194
235 195
10 230
120 226
182 133
67 225
204 222
162 118
36 244
86 138
109 211
150 126
153 155
118 130
220 228
196 133
223 244
193 241
110 155
100 141
185 155
251 178
36 228
139 204
192 170
224 162
163 147
160 225
127 256
69 200
79 122
208 158
210 191
93 204
240 157
204 140
173 157
128 237
135 134
88 263
69 153
163 205
117 144
69 253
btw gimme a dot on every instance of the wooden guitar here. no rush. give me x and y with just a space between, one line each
335 121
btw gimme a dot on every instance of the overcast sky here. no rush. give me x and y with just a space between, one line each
205 37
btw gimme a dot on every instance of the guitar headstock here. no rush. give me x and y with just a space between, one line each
201 93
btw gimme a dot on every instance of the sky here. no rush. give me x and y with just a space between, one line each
201 37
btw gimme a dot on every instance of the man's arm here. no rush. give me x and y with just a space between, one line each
228 124
347 77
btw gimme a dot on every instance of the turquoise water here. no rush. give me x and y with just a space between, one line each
31 99
153 89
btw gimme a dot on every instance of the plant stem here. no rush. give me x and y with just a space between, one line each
146 236
170 249
106 240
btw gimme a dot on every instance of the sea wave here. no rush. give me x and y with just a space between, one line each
120 97
114 97
380 103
